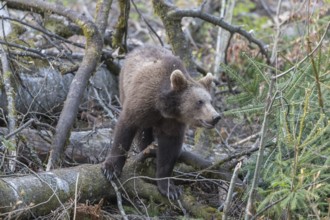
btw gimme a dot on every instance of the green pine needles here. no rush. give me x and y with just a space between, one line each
295 176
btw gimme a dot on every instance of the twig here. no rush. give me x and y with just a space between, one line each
230 191
119 200
49 127
226 51
75 198
245 140
43 54
23 48
316 74
147 23
238 155
268 207
44 31
180 13
70 69
308 55
27 124
101 102
184 211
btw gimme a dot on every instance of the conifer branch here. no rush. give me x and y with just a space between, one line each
269 102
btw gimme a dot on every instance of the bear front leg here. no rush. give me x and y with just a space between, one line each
169 148
115 161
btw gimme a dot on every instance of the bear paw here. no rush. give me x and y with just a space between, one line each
168 189
109 170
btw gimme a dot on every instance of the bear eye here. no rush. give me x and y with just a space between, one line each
200 102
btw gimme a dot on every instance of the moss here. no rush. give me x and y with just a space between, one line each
175 35
97 7
199 210
6 75
204 141
87 30
198 134
17 29
121 26
58 27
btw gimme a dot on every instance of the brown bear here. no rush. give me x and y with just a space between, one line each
158 98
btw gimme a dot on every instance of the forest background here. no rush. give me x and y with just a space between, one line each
268 158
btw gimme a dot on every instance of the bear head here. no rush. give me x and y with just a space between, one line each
190 101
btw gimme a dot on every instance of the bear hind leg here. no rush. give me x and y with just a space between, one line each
169 148
145 138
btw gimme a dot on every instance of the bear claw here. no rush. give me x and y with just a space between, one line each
173 192
176 194
108 174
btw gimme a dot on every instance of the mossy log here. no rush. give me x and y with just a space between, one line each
38 194
35 195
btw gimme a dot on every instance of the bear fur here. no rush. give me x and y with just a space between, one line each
159 99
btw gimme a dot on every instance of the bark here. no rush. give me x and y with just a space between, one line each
42 92
120 35
175 34
82 147
7 81
38 194
34 195
102 14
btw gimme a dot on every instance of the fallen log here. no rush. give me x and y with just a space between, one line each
35 195
40 193
31 196
83 146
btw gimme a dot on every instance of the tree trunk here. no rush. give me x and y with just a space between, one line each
39 194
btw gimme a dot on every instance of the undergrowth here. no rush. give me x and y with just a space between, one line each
295 178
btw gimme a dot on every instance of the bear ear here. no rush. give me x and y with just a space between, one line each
178 80
206 81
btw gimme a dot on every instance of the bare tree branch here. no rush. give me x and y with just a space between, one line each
180 13
230 191
44 31
36 51
147 23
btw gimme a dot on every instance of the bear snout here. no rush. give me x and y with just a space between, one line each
209 123
216 119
